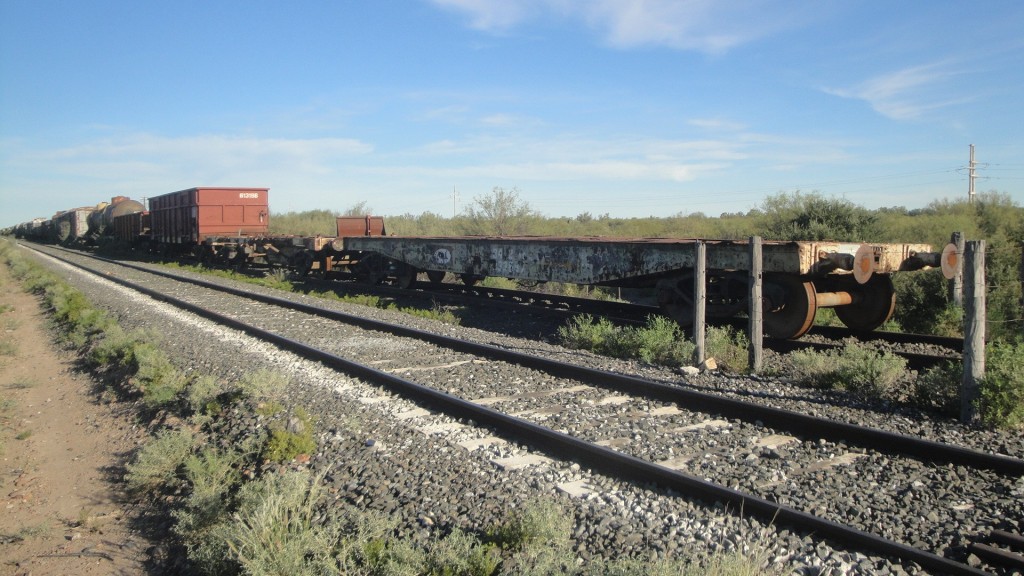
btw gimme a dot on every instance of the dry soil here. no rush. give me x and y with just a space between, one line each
63 450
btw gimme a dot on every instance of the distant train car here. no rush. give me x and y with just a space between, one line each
133 228
188 217
101 221
71 226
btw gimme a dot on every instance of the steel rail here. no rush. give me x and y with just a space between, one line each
603 459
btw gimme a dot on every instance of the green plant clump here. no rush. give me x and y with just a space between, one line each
1002 388
855 368
291 439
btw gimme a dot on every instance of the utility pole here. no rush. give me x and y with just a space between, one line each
455 202
971 176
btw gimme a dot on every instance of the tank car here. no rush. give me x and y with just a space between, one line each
101 220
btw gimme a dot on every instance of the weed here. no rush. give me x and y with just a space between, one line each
856 368
22 384
537 523
23 435
8 347
293 438
201 395
436 312
158 379
265 385
938 388
26 533
272 531
729 347
157 463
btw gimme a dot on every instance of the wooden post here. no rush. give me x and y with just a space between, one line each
755 328
956 284
974 328
700 273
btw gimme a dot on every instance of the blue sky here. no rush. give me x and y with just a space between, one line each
625 107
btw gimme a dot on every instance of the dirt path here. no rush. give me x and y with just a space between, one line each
62 453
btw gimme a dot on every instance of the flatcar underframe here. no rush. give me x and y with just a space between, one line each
799 277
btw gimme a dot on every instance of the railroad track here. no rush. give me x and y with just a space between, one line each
715 448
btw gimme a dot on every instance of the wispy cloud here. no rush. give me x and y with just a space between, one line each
711 26
906 94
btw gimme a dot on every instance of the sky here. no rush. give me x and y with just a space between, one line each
630 108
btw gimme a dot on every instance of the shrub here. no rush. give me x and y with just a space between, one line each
1002 388
157 463
938 388
272 531
293 438
730 347
583 333
659 341
263 385
158 379
856 368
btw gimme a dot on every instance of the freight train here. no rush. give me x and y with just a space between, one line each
230 226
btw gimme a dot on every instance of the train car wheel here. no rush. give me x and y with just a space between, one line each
789 306
469 279
436 276
873 306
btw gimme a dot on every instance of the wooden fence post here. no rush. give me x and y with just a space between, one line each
974 328
956 284
699 300
755 328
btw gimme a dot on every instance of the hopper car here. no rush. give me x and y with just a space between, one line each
229 226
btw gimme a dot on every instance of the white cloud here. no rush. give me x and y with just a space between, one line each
905 94
712 26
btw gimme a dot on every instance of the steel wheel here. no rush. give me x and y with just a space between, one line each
873 304
789 306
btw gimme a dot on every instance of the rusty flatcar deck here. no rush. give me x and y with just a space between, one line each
601 260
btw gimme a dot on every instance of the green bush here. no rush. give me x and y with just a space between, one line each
263 385
273 532
1002 388
158 379
729 347
938 388
659 341
157 463
290 439
855 368
584 333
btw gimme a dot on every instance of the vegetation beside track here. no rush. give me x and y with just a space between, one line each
248 505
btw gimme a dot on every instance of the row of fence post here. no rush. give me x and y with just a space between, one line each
967 291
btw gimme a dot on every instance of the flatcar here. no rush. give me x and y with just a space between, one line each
799 277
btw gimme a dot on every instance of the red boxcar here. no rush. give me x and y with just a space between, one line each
190 216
